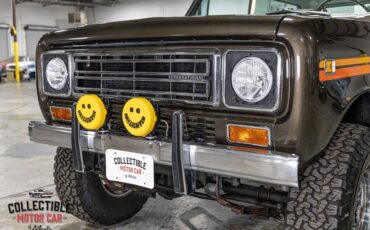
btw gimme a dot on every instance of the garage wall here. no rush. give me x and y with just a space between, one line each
135 9
33 36
37 14
31 14
4 42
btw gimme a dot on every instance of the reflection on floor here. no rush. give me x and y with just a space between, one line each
26 166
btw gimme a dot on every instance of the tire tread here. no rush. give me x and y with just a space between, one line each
76 195
327 185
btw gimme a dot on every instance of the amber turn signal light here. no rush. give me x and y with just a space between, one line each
61 113
258 136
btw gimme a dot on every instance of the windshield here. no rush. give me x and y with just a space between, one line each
263 7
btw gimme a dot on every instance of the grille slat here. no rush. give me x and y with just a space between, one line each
130 78
196 127
167 76
78 72
110 91
137 61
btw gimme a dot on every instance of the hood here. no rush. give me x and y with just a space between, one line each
170 28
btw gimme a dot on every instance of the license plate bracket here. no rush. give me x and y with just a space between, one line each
129 167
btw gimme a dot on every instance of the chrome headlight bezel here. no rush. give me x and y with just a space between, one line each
271 102
48 90
237 89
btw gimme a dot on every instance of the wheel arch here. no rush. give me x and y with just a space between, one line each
358 111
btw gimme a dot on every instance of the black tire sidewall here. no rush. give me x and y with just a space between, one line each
101 204
84 196
329 184
359 176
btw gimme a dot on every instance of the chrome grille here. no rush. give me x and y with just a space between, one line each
164 76
197 128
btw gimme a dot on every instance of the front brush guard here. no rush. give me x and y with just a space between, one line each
78 160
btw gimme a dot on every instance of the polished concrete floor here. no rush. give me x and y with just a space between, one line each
26 166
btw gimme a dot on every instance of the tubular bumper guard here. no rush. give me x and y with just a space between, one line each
269 167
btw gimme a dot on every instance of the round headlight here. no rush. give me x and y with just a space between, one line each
252 79
56 73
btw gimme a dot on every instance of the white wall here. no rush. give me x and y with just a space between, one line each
135 9
37 14
31 14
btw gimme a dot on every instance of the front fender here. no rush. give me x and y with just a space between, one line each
319 104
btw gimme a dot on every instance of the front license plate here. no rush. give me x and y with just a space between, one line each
130 168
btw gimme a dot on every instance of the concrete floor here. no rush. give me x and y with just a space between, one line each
26 166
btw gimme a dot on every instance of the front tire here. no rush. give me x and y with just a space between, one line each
84 196
328 197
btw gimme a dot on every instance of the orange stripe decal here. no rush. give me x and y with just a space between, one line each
345 72
348 61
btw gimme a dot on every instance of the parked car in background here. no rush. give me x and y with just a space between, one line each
26 67
40 193
3 64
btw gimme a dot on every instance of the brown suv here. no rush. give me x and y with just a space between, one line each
261 105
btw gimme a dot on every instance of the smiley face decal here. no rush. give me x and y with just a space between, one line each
83 111
132 123
91 112
138 117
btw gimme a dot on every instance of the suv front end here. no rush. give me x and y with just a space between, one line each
213 138
228 108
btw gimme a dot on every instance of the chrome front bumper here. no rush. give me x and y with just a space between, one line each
270 167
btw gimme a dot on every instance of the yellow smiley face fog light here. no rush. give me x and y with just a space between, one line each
91 112
139 117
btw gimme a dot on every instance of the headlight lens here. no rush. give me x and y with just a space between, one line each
252 79
56 73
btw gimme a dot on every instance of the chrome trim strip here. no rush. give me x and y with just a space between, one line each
270 167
